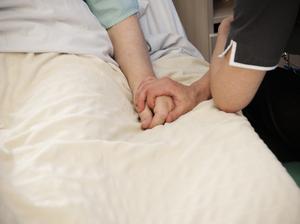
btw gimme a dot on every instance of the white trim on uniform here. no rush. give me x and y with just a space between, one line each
233 46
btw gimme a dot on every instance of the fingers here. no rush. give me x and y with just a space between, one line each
151 98
140 101
140 96
162 108
175 114
152 89
161 96
159 115
159 118
162 88
146 118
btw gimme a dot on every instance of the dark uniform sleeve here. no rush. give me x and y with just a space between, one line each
260 32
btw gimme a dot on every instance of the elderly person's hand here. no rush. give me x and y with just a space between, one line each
185 98
158 115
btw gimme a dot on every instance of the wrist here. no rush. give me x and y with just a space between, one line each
201 89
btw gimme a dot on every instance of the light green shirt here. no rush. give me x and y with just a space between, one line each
111 12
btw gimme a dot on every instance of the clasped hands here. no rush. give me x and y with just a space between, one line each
160 101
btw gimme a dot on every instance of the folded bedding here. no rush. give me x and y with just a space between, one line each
72 151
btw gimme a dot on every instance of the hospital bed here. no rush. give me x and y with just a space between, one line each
72 151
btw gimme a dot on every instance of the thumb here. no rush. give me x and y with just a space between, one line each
146 118
140 101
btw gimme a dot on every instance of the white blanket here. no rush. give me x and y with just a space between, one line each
72 152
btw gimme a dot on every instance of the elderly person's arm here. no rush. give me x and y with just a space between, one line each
132 55
130 51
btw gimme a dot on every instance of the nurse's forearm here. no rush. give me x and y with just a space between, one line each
232 88
130 51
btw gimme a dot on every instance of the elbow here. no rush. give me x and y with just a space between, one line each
232 93
229 104
228 108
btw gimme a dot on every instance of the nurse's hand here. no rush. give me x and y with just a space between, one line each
148 95
151 118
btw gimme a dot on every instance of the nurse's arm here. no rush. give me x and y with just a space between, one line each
232 88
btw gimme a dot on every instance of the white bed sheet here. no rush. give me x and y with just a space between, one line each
71 151
163 30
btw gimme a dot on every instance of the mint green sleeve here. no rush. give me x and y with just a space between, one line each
111 12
